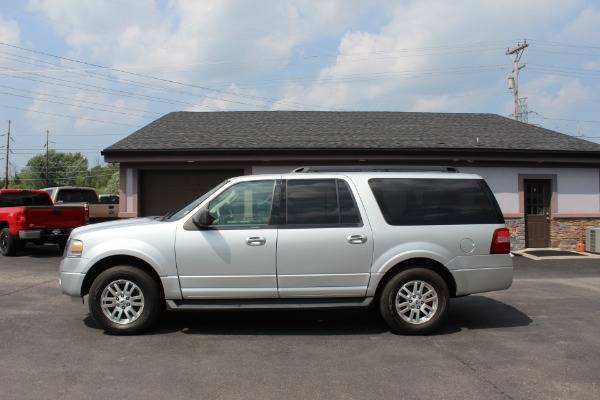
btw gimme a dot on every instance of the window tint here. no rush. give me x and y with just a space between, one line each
245 203
312 201
77 196
108 199
436 201
320 202
24 199
348 211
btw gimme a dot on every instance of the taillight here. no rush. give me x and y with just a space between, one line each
86 209
500 241
20 219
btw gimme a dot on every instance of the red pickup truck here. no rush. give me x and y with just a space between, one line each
30 216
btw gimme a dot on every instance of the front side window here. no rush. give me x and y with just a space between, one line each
436 201
314 202
245 203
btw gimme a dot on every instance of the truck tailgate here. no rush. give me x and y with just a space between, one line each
54 217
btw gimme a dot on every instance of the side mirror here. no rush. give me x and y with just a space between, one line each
202 218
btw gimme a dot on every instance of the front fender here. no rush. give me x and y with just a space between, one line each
162 264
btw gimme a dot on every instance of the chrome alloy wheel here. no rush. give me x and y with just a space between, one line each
416 302
122 301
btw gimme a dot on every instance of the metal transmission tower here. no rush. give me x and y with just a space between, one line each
513 80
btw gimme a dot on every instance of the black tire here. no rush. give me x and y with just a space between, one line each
152 300
387 301
9 245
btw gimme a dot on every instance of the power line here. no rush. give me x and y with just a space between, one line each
140 75
114 80
66 116
114 92
588 121
68 104
80 101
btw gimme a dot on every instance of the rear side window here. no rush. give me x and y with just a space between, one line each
314 202
24 199
436 201
77 196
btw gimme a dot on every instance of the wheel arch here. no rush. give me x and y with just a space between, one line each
3 224
420 262
113 261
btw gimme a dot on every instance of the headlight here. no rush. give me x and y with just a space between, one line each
75 248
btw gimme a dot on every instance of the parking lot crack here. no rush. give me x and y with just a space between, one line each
475 371
26 288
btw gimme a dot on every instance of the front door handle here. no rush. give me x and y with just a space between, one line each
356 239
256 241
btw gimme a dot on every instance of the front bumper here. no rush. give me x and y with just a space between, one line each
71 282
45 235
71 279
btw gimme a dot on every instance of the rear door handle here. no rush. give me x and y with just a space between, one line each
356 239
256 241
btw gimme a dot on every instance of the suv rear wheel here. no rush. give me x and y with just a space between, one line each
414 301
125 300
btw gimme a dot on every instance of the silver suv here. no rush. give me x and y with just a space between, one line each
405 241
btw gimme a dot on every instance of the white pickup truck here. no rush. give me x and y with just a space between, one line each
86 197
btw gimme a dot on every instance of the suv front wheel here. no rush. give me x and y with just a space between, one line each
414 301
125 300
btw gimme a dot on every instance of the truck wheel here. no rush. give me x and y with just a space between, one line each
414 301
9 245
125 300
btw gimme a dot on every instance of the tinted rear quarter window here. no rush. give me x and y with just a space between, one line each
435 201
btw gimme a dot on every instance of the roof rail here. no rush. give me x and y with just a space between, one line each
373 168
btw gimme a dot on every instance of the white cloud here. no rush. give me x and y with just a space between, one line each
556 95
9 31
417 53
189 35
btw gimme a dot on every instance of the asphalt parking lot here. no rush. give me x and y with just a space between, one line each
540 339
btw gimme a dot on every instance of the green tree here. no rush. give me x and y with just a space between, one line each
66 169
112 186
63 169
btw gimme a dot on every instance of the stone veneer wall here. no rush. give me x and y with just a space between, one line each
564 232
517 232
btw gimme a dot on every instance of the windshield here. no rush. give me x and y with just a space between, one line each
187 209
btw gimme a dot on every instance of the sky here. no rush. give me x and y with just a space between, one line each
91 71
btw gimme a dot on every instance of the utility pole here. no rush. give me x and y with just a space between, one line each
513 80
47 157
7 155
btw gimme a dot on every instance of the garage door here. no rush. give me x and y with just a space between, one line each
164 191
